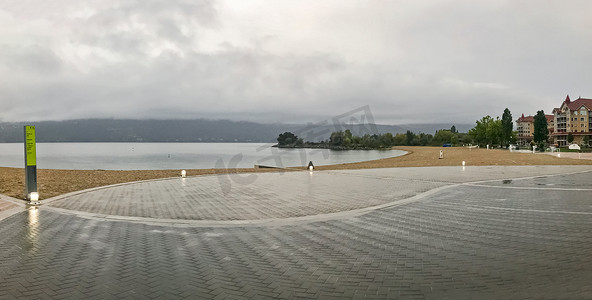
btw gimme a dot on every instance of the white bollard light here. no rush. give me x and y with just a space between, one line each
183 173
34 197
463 163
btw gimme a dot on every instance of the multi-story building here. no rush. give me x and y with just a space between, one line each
525 128
573 117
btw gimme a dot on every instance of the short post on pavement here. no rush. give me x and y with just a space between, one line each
31 193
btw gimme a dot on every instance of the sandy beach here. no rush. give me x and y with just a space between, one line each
56 182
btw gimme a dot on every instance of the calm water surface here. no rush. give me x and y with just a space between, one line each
162 156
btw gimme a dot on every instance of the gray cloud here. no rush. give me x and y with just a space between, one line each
412 62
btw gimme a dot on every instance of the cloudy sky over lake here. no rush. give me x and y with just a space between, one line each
300 61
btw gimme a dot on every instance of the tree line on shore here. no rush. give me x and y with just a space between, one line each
498 132
346 140
494 132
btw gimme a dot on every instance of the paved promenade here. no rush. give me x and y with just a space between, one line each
404 233
573 155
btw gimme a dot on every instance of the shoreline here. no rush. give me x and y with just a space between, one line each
54 182
331 147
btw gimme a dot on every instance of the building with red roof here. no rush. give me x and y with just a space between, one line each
525 128
573 117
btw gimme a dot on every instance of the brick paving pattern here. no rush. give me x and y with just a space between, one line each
269 196
279 195
467 241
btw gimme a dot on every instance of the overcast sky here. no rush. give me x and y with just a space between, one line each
291 61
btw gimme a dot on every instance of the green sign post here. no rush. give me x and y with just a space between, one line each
30 162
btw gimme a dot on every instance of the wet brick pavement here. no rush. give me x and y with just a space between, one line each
464 241
279 195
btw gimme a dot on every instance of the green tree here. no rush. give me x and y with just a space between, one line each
586 141
514 137
464 138
442 137
337 138
479 132
287 138
410 137
386 140
399 139
347 137
347 141
507 126
453 129
541 133
487 131
423 139
494 132
454 139
366 140
375 141
570 137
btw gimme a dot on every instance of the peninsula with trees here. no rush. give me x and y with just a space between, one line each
345 140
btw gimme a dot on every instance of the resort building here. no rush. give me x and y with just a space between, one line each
573 117
525 128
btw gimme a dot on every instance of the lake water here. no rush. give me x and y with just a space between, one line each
162 156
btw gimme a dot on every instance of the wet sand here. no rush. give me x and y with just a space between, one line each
56 182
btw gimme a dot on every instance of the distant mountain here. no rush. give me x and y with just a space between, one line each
200 130
111 130
432 128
